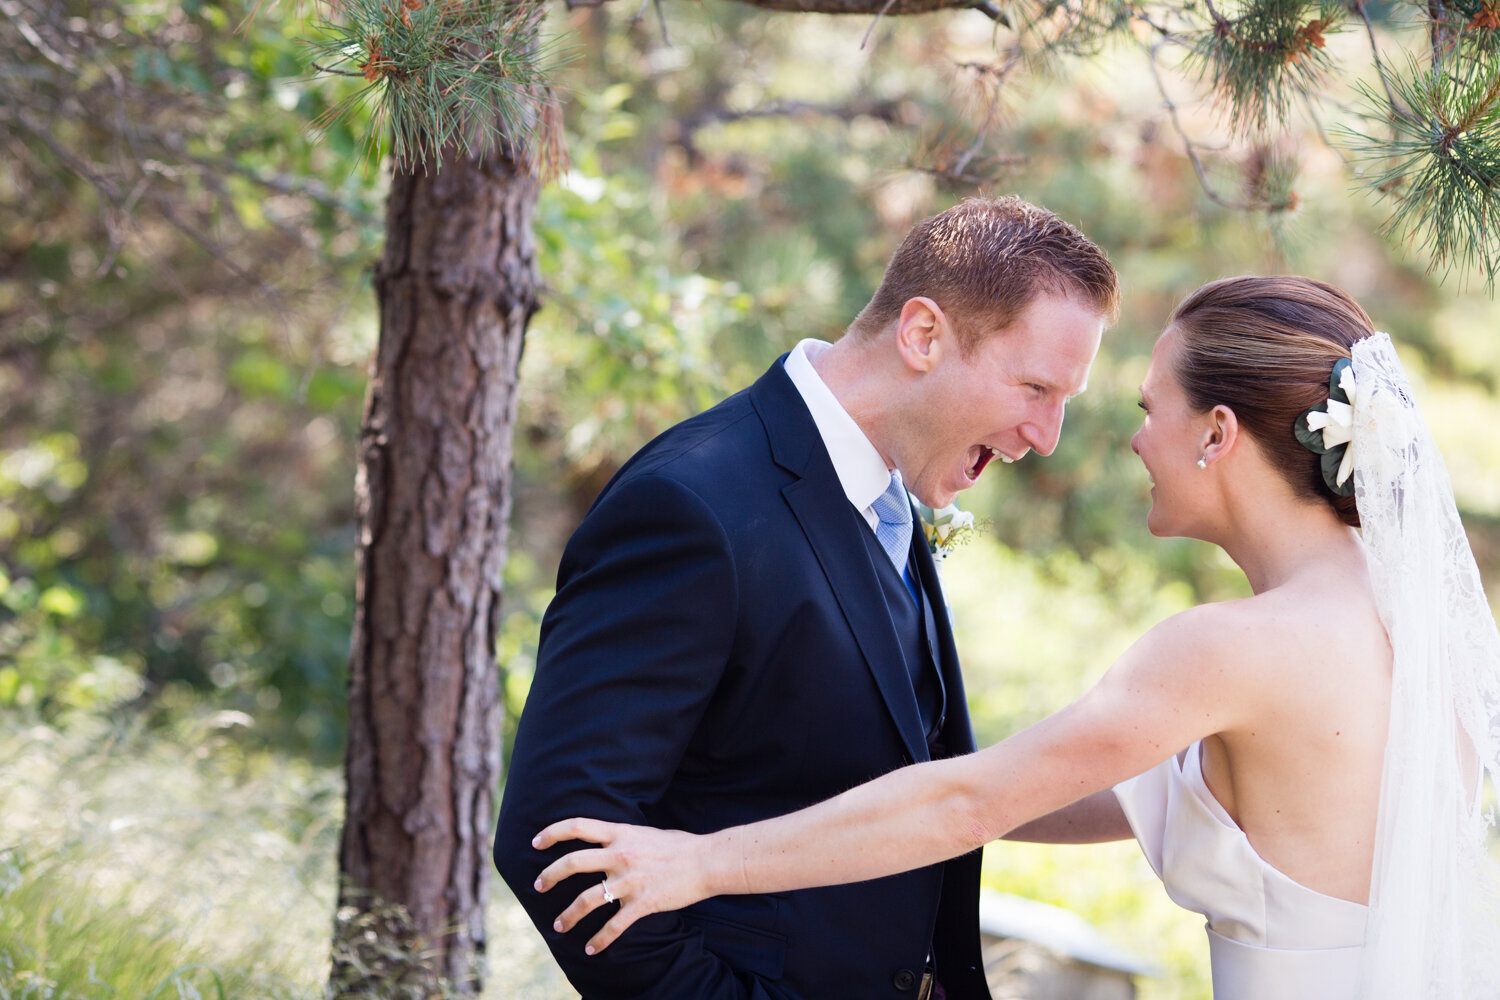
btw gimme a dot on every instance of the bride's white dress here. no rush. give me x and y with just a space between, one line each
1269 937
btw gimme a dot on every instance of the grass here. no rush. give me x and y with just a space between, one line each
142 865
146 866
60 943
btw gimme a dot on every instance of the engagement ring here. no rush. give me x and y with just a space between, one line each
609 897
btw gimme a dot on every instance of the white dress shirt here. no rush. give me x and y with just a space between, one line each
861 470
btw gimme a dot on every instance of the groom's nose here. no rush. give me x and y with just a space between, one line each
1042 432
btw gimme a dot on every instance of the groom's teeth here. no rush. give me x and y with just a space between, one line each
997 453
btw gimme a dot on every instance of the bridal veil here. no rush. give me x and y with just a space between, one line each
1434 923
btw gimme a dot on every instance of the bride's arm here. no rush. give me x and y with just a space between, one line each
1093 819
1177 684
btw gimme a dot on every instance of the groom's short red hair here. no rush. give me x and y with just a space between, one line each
983 261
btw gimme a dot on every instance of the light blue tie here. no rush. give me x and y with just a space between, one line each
894 530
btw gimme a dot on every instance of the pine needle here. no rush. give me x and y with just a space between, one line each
1440 164
466 74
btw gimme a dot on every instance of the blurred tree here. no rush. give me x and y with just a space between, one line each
1422 131
174 393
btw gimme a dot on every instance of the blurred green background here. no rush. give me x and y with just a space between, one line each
178 424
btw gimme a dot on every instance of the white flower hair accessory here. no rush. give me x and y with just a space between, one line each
1328 429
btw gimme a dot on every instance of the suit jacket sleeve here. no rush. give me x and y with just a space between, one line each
632 649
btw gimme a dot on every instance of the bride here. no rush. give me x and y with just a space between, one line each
1303 766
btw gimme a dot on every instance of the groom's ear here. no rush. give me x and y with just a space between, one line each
1221 433
920 333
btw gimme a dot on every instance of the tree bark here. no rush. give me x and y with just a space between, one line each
456 287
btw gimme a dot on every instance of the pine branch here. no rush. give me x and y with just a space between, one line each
1280 201
1440 166
1048 29
1362 9
1258 62
871 30
469 74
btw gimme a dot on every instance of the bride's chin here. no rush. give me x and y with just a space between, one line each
1160 528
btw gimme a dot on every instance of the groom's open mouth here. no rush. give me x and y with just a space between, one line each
979 457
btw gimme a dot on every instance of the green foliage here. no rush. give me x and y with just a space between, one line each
467 75
45 659
1427 133
1427 128
153 560
1442 160
1261 61
185 327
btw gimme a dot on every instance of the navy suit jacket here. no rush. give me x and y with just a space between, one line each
719 652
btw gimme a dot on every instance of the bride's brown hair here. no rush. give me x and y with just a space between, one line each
1264 347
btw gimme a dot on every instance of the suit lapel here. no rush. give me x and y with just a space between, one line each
832 529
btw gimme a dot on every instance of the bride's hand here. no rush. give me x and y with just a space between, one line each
646 870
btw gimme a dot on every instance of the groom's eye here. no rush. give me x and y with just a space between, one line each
1142 404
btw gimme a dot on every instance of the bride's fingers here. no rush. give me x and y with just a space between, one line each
613 928
570 864
587 902
592 830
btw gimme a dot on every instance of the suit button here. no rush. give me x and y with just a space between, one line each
904 980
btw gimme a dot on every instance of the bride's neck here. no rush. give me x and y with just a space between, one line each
1274 543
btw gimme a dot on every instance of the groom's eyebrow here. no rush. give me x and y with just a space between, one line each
1054 387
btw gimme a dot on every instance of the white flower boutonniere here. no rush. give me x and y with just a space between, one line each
945 529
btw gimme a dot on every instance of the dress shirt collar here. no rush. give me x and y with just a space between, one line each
861 470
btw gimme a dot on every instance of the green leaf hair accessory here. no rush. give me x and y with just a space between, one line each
1328 429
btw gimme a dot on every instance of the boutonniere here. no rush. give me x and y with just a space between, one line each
945 529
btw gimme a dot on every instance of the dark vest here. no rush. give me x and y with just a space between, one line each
916 630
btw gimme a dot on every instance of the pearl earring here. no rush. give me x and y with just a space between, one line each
1202 463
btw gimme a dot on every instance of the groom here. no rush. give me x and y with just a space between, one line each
746 621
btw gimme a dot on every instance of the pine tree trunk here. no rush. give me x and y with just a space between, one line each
456 287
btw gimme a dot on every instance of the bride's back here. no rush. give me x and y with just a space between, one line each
1301 774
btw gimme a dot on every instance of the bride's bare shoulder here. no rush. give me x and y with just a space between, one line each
1281 630
1216 629
1203 648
